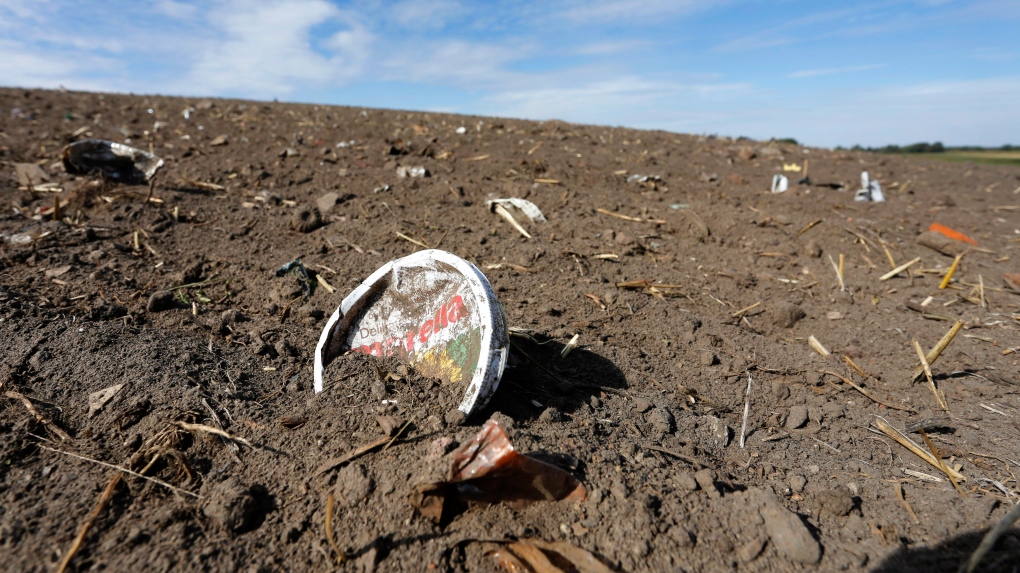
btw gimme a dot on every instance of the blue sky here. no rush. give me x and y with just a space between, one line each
825 73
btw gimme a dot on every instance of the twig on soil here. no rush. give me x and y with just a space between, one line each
212 430
406 425
989 540
744 310
747 409
868 394
882 424
898 484
856 368
899 269
103 500
922 476
678 455
942 463
888 255
570 346
410 240
949 273
629 218
931 381
352 455
125 470
42 419
502 212
932 356
341 557
839 271
808 227
817 346
322 281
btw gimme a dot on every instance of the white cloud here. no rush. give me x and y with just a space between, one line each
465 64
267 49
175 9
424 14
22 66
629 10
629 100
832 71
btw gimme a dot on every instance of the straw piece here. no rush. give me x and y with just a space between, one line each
502 212
817 346
942 463
949 273
899 269
927 373
932 356
883 425
868 394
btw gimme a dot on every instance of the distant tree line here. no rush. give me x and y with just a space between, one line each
936 147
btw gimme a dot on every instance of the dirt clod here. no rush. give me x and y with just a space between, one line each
797 417
160 300
785 315
232 506
791 537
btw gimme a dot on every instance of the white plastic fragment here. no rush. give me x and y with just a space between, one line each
780 183
114 160
99 399
461 130
431 308
869 191
412 172
529 209
636 178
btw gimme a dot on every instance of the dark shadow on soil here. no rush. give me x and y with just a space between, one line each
946 557
536 372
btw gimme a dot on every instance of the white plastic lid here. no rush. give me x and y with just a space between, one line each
433 309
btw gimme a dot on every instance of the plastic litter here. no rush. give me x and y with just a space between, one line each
99 399
461 130
412 172
297 269
488 469
635 178
951 233
506 207
869 191
780 183
115 161
529 209
433 309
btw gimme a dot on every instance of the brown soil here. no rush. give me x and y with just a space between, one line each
653 374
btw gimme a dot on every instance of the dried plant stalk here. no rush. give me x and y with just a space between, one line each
932 356
817 346
899 269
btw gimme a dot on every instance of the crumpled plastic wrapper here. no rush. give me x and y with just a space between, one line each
114 161
489 470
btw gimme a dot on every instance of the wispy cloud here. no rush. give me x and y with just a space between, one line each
688 65
267 49
631 10
833 71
